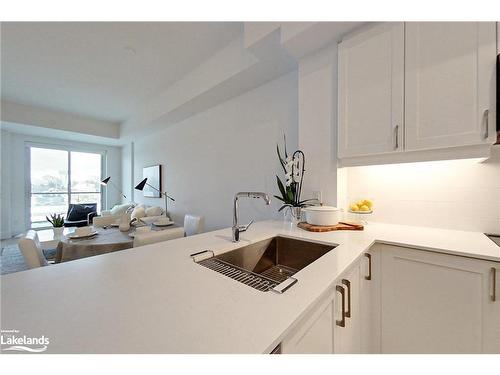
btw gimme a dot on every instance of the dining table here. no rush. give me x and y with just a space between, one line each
106 240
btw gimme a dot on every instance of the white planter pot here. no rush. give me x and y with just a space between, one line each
322 215
58 231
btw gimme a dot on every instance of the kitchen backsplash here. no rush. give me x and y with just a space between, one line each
454 194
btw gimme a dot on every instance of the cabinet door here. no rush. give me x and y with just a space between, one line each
347 338
369 294
491 339
435 303
449 84
371 91
314 334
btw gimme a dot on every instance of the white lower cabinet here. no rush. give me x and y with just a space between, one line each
344 321
369 295
360 289
401 300
347 328
313 335
436 303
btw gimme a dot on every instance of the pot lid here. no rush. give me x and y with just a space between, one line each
321 208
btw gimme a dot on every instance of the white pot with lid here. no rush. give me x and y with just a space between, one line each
322 215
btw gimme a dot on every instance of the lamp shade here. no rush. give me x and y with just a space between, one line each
105 181
140 185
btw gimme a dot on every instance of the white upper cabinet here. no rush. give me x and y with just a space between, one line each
416 87
371 69
449 84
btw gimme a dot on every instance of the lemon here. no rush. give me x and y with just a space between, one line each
364 208
354 207
368 203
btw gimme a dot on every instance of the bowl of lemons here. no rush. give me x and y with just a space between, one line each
362 206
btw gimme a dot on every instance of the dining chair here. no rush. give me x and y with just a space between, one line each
79 215
193 224
102 221
147 238
32 251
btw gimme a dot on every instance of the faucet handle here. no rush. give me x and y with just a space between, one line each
243 228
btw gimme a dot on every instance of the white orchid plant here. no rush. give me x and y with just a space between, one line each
293 166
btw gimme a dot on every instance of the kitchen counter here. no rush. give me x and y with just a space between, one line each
155 299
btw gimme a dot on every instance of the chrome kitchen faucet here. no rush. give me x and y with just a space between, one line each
237 229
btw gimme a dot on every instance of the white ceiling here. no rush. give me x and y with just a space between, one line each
102 70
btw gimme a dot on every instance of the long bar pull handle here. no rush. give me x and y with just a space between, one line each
486 116
494 289
347 283
396 137
341 322
369 256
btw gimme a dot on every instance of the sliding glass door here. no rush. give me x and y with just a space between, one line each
85 178
49 172
59 177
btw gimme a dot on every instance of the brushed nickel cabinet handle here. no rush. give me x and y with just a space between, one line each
347 283
494 289
396 137
486 117
369 256
341 322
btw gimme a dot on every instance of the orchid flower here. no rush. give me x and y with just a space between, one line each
289 163
293 167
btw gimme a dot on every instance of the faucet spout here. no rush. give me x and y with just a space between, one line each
237 229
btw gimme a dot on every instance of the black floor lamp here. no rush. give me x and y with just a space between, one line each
140 187
108 181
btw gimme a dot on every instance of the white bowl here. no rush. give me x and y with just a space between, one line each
322 215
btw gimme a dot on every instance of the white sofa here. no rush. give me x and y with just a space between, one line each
113 215
117 210
147 214
144 213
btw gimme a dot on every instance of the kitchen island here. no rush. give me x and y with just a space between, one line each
155 299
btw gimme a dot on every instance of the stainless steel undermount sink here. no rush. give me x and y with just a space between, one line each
494 237
265 265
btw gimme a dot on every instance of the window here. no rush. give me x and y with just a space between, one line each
59 177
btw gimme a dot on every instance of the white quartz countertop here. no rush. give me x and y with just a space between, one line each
155 299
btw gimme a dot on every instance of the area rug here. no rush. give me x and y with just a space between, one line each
12 259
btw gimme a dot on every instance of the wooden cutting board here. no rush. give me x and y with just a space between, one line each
329 228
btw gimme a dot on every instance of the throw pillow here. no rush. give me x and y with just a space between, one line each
119 209
138 212
154 211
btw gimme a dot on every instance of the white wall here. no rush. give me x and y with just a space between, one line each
5 187
45 118
128 170
455 194
13 176
318 122
209 157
